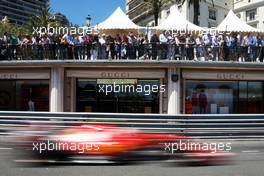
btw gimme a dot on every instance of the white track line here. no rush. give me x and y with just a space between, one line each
6 149
250 151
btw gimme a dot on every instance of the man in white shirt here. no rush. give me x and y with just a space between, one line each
102 47
163 44
163 38
216 47
244 47
207 39
199 47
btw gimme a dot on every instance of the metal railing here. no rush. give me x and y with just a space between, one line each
151 51
199 126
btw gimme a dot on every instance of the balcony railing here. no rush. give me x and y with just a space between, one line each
152 51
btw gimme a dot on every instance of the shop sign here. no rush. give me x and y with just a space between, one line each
116 81
115 75
8 76
230 76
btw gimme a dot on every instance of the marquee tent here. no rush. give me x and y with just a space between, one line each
233 24
176 21
117 21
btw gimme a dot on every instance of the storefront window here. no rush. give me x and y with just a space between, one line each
26 95
91 99
227 97
210 97
255 97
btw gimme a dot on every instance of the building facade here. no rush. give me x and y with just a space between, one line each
251 11
62 19
190 88
19 11
210 15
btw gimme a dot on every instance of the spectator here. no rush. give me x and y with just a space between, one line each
3 49
207 40
253 48
171 47
95 47
238 48
199 47
261 53
245 48
124 51
82 47
132 46
141 46
12 50
118 46
215 47
163 44
182 44
189 47
45 42
102 47
177 46
229 41
235 46
258 47
111 46
154 43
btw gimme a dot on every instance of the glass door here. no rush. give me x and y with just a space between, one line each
255 97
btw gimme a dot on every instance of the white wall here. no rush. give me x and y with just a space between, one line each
242 6
222 11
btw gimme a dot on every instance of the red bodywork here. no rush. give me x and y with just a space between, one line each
116 143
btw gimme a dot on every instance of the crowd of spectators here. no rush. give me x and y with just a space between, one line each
163 46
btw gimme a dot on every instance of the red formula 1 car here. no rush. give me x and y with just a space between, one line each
108 143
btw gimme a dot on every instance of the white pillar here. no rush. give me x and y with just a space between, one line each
173 92
56 89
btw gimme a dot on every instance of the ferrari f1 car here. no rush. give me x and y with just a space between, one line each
111 144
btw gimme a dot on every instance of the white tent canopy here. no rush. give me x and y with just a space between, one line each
233 24
118 20
176 21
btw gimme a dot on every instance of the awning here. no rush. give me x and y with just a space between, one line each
118 20
176 21
234 24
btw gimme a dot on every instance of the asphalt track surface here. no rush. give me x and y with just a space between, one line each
249 161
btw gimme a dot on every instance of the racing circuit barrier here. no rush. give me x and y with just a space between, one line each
198 126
